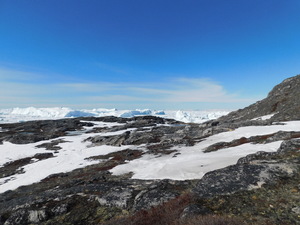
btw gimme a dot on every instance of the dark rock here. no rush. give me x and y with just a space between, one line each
256 156
155 195
213 124
283 135
2 219
34 131
117 197
19 217
13 167
114 140
289 145
164 135
229 180
60 209
41 156
52 145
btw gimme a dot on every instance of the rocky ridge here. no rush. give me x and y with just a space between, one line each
282 102
92 195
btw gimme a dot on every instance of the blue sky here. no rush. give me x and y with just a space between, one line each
158 54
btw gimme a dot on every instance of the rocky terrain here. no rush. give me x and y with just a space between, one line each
282 103
261 188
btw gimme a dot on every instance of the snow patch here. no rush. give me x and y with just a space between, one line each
266 117
193 163
73 155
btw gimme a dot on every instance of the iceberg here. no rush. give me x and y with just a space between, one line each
31 113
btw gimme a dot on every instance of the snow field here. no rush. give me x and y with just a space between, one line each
190 163
193 163
72 156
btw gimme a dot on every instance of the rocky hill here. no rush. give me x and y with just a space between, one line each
257 188
282 103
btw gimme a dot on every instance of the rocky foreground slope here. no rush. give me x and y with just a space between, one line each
261 188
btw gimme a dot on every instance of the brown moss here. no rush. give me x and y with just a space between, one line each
164 214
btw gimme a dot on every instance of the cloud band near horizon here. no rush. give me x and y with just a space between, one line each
24 89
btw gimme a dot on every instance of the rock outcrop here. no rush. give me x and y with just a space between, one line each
252 171
282 101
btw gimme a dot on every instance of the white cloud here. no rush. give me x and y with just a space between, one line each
9 74
201 90
24 89
89 87
116 98
192 90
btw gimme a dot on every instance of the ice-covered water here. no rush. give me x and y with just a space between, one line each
32 113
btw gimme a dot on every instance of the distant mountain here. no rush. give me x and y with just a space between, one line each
281 104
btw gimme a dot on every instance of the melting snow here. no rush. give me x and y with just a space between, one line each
191 163
72 156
